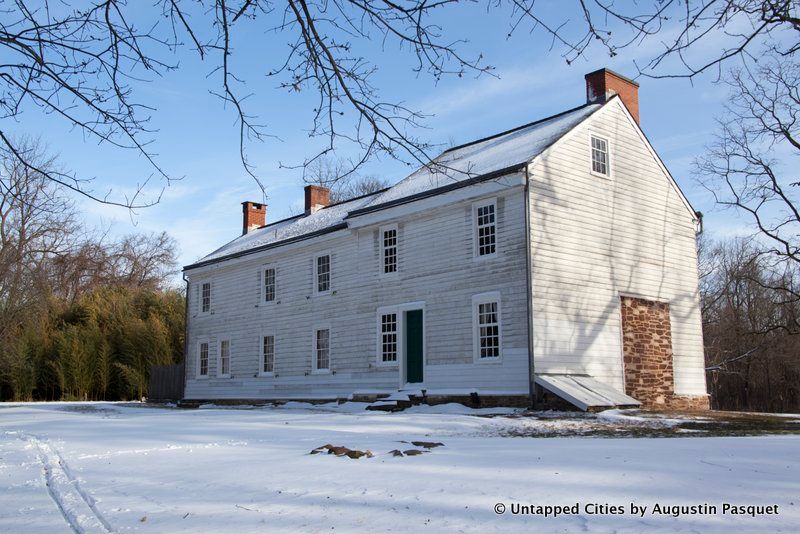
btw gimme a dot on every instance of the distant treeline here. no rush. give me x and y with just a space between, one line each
751 327
82 316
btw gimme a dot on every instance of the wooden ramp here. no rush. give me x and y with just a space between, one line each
585 392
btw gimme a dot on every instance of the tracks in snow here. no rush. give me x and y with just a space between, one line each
78 507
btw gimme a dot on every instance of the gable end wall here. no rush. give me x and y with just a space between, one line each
597 239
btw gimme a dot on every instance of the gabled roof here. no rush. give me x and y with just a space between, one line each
484 159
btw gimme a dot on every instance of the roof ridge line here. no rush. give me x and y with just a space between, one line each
517 128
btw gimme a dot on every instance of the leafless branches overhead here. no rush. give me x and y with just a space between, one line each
80 63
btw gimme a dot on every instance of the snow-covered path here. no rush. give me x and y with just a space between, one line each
109 467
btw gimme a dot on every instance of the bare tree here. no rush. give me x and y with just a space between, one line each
752 354
748 167
344 185
36 222
80 62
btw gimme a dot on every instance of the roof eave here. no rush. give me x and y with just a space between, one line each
439 190
254 250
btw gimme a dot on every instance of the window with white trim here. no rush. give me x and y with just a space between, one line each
389 249
205 297
224 360
322 349
268 355
322 273
202 359
600 164
485 228
487 337
388 337
269 284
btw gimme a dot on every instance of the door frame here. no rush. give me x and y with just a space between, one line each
401 342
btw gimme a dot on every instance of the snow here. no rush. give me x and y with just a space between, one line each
290 228
511 148
476 159
101 467
584 391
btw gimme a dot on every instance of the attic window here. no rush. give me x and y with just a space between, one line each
600 156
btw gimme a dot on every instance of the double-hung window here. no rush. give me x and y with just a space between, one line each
322 273
205 297
485 228
487 327
388 236
224 360
268 355
600 162
322 350
202 359
269 284
388 338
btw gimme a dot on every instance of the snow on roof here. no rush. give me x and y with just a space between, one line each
458 164
481 157
288 228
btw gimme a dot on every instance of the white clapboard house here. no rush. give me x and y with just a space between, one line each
557 258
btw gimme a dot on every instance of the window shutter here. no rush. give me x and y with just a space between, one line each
196 298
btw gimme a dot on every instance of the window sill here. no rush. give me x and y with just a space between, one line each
223 376
321 372
387 364
266 375
488 361
600 175
485 257
201 377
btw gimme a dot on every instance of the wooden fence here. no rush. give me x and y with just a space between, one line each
166 383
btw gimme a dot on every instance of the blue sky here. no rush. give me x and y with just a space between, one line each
197 141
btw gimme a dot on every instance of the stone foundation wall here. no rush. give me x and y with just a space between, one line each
689 403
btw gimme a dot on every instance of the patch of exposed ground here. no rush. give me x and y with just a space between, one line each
649 424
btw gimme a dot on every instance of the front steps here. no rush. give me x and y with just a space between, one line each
395 402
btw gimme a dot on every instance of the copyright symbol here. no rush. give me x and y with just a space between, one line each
499 508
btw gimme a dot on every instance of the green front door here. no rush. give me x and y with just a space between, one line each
413 342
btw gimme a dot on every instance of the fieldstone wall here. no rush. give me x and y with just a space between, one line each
689 403
647 351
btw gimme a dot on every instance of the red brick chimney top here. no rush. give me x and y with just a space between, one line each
604 83
317 197
254 215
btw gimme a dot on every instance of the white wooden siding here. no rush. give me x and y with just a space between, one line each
435 263
596 238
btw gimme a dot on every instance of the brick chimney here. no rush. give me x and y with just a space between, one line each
254 215
604 83
317 197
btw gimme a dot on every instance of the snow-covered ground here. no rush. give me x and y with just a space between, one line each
111 467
